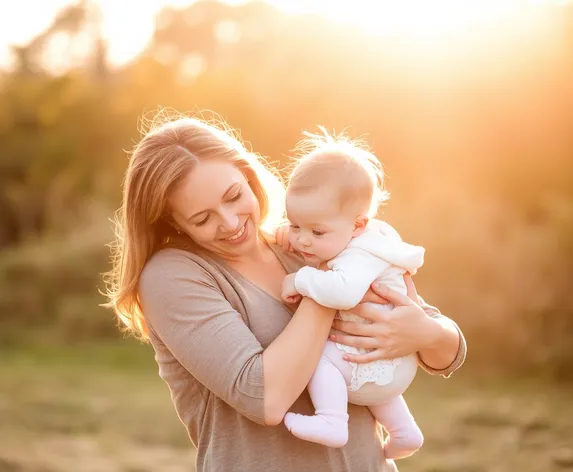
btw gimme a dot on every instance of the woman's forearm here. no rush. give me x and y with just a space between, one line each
443 349
289 361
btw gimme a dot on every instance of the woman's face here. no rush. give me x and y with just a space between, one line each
216 207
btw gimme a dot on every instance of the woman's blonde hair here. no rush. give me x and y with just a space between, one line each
343 165
162 158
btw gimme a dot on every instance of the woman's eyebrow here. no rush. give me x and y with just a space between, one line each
232 186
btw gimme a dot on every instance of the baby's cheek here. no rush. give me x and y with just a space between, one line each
328 250
335 247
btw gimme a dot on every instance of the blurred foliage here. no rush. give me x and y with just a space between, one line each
476 141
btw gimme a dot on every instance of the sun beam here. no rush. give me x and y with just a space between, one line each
442 27
437 25
422 20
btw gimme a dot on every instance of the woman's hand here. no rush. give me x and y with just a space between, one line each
399 332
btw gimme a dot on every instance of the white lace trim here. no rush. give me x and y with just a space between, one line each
380 372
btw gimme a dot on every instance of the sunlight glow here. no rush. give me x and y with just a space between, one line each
421 23
422 18
439 27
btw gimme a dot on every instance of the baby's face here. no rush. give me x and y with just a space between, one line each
319 230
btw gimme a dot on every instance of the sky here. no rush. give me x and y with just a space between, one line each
128 24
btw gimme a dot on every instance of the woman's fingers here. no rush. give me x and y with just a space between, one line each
376 313
371 356
351 327
354 341
394 297
411 288
371 297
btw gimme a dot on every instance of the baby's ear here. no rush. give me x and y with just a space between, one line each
360 225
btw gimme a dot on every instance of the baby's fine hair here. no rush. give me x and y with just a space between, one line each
341 164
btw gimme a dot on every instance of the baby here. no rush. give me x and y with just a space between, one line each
331 195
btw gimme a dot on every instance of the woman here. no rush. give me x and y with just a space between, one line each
196 276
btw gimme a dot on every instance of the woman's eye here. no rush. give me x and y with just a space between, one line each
203 221
235 197
317 233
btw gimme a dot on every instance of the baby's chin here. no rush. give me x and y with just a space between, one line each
313 260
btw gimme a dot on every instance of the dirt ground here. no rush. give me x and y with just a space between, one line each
96 409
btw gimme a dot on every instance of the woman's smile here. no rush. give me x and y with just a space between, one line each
239 236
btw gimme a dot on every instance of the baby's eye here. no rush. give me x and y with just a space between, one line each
317 233
294 227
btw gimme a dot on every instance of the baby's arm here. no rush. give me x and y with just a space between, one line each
344 285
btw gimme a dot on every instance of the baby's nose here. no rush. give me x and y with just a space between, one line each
304 240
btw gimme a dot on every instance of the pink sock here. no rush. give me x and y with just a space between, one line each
329 425
404 436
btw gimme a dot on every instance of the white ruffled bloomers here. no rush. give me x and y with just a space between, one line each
380 372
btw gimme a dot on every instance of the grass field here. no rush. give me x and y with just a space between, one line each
96 409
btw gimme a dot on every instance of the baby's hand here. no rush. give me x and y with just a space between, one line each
289 293
281 236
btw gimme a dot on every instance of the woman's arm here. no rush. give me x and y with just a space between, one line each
289 361
448 350
407 328
440 353
187 312
436 358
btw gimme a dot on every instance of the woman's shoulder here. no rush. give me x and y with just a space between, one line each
170 257
170 265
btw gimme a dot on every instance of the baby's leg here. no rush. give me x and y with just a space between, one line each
404 435
327 389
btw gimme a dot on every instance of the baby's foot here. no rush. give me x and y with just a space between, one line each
328 429
403 443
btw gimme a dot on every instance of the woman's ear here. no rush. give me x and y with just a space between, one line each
360 225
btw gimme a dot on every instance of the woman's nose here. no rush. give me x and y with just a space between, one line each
229 222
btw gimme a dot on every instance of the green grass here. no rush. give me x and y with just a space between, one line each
474 425
92 408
